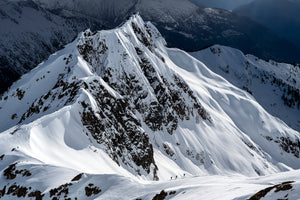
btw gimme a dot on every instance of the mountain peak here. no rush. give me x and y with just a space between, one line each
111 77
120 102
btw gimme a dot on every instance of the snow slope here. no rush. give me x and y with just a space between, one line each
124 110
274 85
42 27
27 30
30 33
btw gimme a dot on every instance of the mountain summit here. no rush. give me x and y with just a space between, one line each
42 27
116 108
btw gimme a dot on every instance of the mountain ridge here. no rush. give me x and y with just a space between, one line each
274 85
91 116
180 28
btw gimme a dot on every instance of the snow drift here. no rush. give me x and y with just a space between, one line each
117 105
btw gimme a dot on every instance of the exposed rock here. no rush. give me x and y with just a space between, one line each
11 172
91 190
37 194
161 196
115 126
77 178
16 190
280 187
63 189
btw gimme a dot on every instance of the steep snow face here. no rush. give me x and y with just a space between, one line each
118 75
44 26
274 85
120 102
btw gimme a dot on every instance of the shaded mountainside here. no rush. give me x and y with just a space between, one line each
207 26
30 33
42 27
227 5
116 109
190 27
280 16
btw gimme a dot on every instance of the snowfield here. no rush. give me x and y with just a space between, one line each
117 115
274 85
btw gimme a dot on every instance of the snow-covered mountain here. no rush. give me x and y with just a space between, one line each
28 35
116 109
188 26
274 85
44 26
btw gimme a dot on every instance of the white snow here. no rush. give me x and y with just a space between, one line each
256 75
228 158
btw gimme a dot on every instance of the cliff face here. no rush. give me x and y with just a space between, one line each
118 109
43 27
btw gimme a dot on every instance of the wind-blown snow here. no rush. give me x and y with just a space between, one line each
274 85
89 109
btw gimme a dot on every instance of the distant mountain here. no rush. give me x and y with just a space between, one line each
281 16
276 86
224 4
28 34
190 27
116 109
41 27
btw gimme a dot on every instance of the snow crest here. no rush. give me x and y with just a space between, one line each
119 102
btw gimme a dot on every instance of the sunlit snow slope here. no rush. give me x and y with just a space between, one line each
121 108
274 85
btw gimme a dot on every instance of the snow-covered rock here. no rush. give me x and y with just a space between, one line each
186 25
116 109
274 85
31 30
30 33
